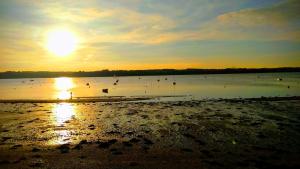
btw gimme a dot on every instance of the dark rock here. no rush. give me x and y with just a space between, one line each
78 147
92 127
134 140
132 112
133 164
4 162
127 144
145 116
130 133
147 141
187 150
113 132
200 142
37 163
189 135
106 144
35 149
116 152
82 157
19 159
16 146
83 142
36 156
207 153
64 148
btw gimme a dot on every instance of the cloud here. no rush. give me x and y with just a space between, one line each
278 16
278 22
113 32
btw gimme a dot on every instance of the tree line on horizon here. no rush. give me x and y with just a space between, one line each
150 72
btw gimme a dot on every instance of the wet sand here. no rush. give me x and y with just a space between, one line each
232 133
79 100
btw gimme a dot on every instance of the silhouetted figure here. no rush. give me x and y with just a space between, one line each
174 83
88 84
105 90
71 95
289 87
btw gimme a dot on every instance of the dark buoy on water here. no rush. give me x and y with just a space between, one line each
104 90
115 84
279 79
158 80
289 87
174 83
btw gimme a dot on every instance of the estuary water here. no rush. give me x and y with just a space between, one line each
193 86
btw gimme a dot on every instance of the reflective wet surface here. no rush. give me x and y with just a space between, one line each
210 133
197 86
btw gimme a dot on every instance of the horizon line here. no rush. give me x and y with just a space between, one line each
152 69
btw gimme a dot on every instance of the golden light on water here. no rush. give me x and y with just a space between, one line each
61 114
63 86
61 42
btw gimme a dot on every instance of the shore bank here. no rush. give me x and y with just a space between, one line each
219 133
135 98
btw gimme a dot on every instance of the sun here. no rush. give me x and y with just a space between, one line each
61 42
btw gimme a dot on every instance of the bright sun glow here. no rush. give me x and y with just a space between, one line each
61 42
63 86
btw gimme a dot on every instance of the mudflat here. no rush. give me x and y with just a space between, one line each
219 133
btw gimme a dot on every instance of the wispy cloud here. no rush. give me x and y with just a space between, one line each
104 26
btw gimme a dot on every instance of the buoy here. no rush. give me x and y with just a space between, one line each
105 90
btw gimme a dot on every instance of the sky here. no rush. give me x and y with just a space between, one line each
151 34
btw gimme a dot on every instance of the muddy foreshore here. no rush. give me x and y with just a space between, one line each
221 133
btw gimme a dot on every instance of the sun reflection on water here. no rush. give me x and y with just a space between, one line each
62 113
63 86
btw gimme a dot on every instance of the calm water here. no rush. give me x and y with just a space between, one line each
196 86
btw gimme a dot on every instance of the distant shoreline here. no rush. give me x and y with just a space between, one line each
151 72
125 99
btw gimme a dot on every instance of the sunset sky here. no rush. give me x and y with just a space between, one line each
150 34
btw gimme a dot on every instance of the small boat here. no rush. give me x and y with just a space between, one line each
104 90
